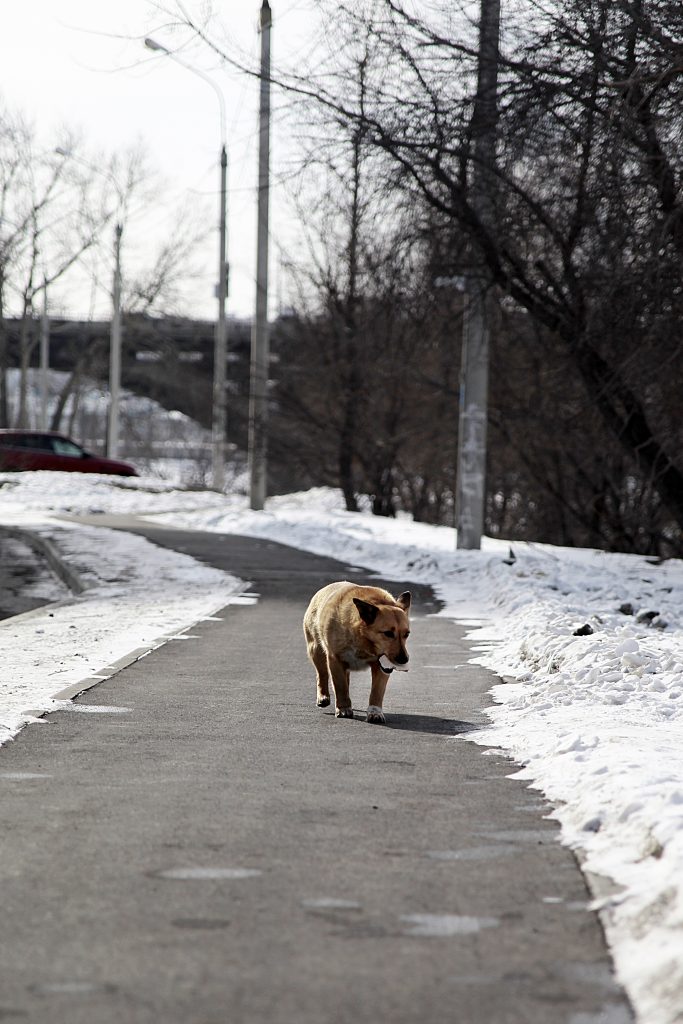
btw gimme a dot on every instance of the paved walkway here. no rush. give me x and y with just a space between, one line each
196 842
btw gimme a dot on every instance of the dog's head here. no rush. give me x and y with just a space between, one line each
386 628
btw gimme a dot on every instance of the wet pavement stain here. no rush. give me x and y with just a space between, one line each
474 853
200 923
439 926
193 874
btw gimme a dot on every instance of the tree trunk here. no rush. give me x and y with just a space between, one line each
626 417
4 405
347 441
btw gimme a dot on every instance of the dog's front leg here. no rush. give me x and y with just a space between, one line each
377 689
340 682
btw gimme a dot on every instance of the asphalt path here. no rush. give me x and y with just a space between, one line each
195 842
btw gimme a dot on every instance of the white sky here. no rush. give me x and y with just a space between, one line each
82 64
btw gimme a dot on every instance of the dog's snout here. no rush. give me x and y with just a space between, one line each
402 658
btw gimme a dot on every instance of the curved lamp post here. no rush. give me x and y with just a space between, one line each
219 416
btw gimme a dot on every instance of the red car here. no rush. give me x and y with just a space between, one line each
38 449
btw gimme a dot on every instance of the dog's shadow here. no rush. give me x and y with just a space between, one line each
429 724
419 723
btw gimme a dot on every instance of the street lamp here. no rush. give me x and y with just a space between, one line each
260 342
115 328
219 417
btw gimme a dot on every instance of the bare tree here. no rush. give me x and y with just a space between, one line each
49 220
587 230
364 382
587 200
57 208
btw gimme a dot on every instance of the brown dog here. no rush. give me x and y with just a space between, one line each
349 628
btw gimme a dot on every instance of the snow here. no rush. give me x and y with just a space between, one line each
588 647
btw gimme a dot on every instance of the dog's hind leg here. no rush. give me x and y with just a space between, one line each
316 653
319 659
340 681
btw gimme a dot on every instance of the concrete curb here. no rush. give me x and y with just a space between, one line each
42 546
72 691
69 692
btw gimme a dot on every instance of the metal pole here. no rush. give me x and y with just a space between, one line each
219 420
115 352
220 358
471 482
44 359
260 355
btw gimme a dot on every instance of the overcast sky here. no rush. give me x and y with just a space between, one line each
82 64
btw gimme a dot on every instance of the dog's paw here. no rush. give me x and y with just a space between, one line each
376 715
344 713
323 702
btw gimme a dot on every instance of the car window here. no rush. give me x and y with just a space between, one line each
27 441
62 447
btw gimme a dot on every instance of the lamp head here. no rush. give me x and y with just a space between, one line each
152 44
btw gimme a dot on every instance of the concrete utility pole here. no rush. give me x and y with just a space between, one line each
44 359
115 352
260 349
471 480
220 350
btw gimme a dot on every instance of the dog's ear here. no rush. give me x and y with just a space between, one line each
404 601
367 612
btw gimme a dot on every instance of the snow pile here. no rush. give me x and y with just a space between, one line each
86 407
597 721
93 493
